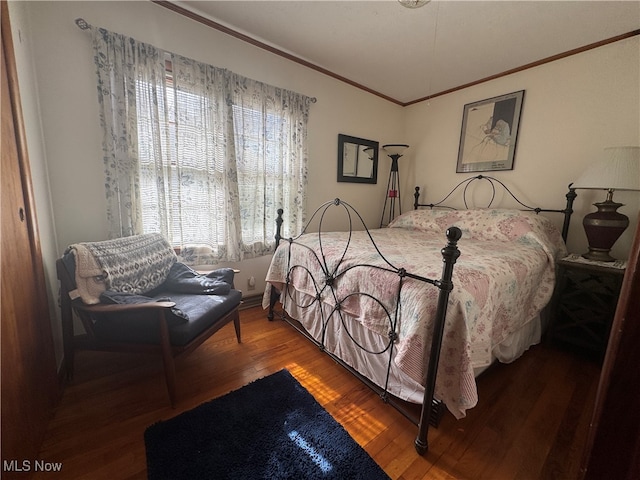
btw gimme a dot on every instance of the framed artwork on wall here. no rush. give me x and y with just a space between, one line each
489 133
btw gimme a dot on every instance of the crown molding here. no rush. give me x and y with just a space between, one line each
252 41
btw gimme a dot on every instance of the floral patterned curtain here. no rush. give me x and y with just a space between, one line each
198 153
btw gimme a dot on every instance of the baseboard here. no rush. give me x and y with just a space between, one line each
251 301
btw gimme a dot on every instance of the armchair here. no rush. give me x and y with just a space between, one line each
132 295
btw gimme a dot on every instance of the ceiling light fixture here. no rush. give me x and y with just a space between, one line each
413 3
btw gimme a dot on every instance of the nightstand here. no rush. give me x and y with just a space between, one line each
584 304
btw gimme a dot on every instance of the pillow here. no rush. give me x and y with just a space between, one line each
498 225
123 298
183 279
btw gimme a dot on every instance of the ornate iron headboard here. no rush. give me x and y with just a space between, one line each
567 211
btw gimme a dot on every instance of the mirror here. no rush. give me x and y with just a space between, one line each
357 160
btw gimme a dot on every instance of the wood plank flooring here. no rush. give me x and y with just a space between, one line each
530 423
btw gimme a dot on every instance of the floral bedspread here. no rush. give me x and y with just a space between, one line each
503 278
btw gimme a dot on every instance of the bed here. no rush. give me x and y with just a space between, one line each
407 311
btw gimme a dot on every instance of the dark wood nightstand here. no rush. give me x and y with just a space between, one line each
584 304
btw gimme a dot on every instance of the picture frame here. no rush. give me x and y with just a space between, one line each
489 133
357 159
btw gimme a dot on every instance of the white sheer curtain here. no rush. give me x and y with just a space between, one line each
198 153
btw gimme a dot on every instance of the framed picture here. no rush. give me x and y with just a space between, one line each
489 133
357 160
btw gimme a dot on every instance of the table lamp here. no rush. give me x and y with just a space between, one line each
618 169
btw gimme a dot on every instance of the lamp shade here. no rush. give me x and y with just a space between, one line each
618 169
395 148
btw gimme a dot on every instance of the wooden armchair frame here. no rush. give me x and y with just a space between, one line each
161 310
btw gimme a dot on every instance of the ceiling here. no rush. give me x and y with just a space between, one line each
406 55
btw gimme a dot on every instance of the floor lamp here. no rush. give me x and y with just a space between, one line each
394 151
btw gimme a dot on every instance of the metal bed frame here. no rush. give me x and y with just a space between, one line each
567 210
431 409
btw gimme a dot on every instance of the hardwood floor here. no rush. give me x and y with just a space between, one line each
530 423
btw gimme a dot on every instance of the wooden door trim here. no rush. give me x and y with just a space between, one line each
30 387
613 442
21 138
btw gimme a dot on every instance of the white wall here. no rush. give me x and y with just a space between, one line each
59 78
572 109
64 60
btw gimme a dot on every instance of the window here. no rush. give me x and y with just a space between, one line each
198 153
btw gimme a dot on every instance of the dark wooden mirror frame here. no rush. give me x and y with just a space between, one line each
361 144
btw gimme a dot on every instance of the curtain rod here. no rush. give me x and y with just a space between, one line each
84 25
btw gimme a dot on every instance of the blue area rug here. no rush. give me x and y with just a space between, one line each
272 428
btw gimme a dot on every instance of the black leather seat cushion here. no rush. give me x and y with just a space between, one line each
202 312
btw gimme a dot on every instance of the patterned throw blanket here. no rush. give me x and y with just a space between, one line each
135 264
